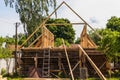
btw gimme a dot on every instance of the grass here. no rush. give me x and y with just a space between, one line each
14 79
107 79
78 79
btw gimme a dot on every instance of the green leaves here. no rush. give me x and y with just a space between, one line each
1 41
58 42
5 53
114 24
95 37
110 43
31 12
62 31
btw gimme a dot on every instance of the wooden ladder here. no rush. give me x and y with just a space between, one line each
46 63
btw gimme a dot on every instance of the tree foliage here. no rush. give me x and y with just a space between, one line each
62 31
58 42
9 40
21 38
1 41
110 41
5 52
31 12
110 44
114 23
95 37
77 41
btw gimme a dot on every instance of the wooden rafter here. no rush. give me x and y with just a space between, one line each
41 25
66 24
84 22
68 61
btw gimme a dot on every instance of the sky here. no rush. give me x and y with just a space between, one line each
95 12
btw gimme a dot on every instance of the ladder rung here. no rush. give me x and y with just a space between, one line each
46 67
47 60
46 56
46 63
46 51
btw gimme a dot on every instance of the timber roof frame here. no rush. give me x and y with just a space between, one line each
43 23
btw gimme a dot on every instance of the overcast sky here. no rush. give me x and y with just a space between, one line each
95 12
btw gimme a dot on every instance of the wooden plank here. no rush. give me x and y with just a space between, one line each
38 38
68 60
66 24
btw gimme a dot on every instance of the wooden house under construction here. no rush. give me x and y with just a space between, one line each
42 59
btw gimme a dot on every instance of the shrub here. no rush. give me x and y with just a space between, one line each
3 71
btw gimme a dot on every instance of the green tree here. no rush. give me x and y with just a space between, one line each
62 31
1 41
58 42
77 41
5 53
114 23
31 12
9 40
110 41
110 44
21 38
95 37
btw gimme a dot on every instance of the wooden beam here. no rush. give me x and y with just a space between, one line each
82 19
65 24
69 65
101 66
93 64
42 24
75 66
35 40
64 69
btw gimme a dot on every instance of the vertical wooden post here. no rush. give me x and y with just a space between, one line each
68 60
59 61
16 45
36 61
80 53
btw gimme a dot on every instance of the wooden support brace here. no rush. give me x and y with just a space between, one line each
75 66
92 63
68 60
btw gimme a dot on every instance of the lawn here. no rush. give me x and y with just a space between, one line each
107 79
78 79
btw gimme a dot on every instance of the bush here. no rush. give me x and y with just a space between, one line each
3 71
